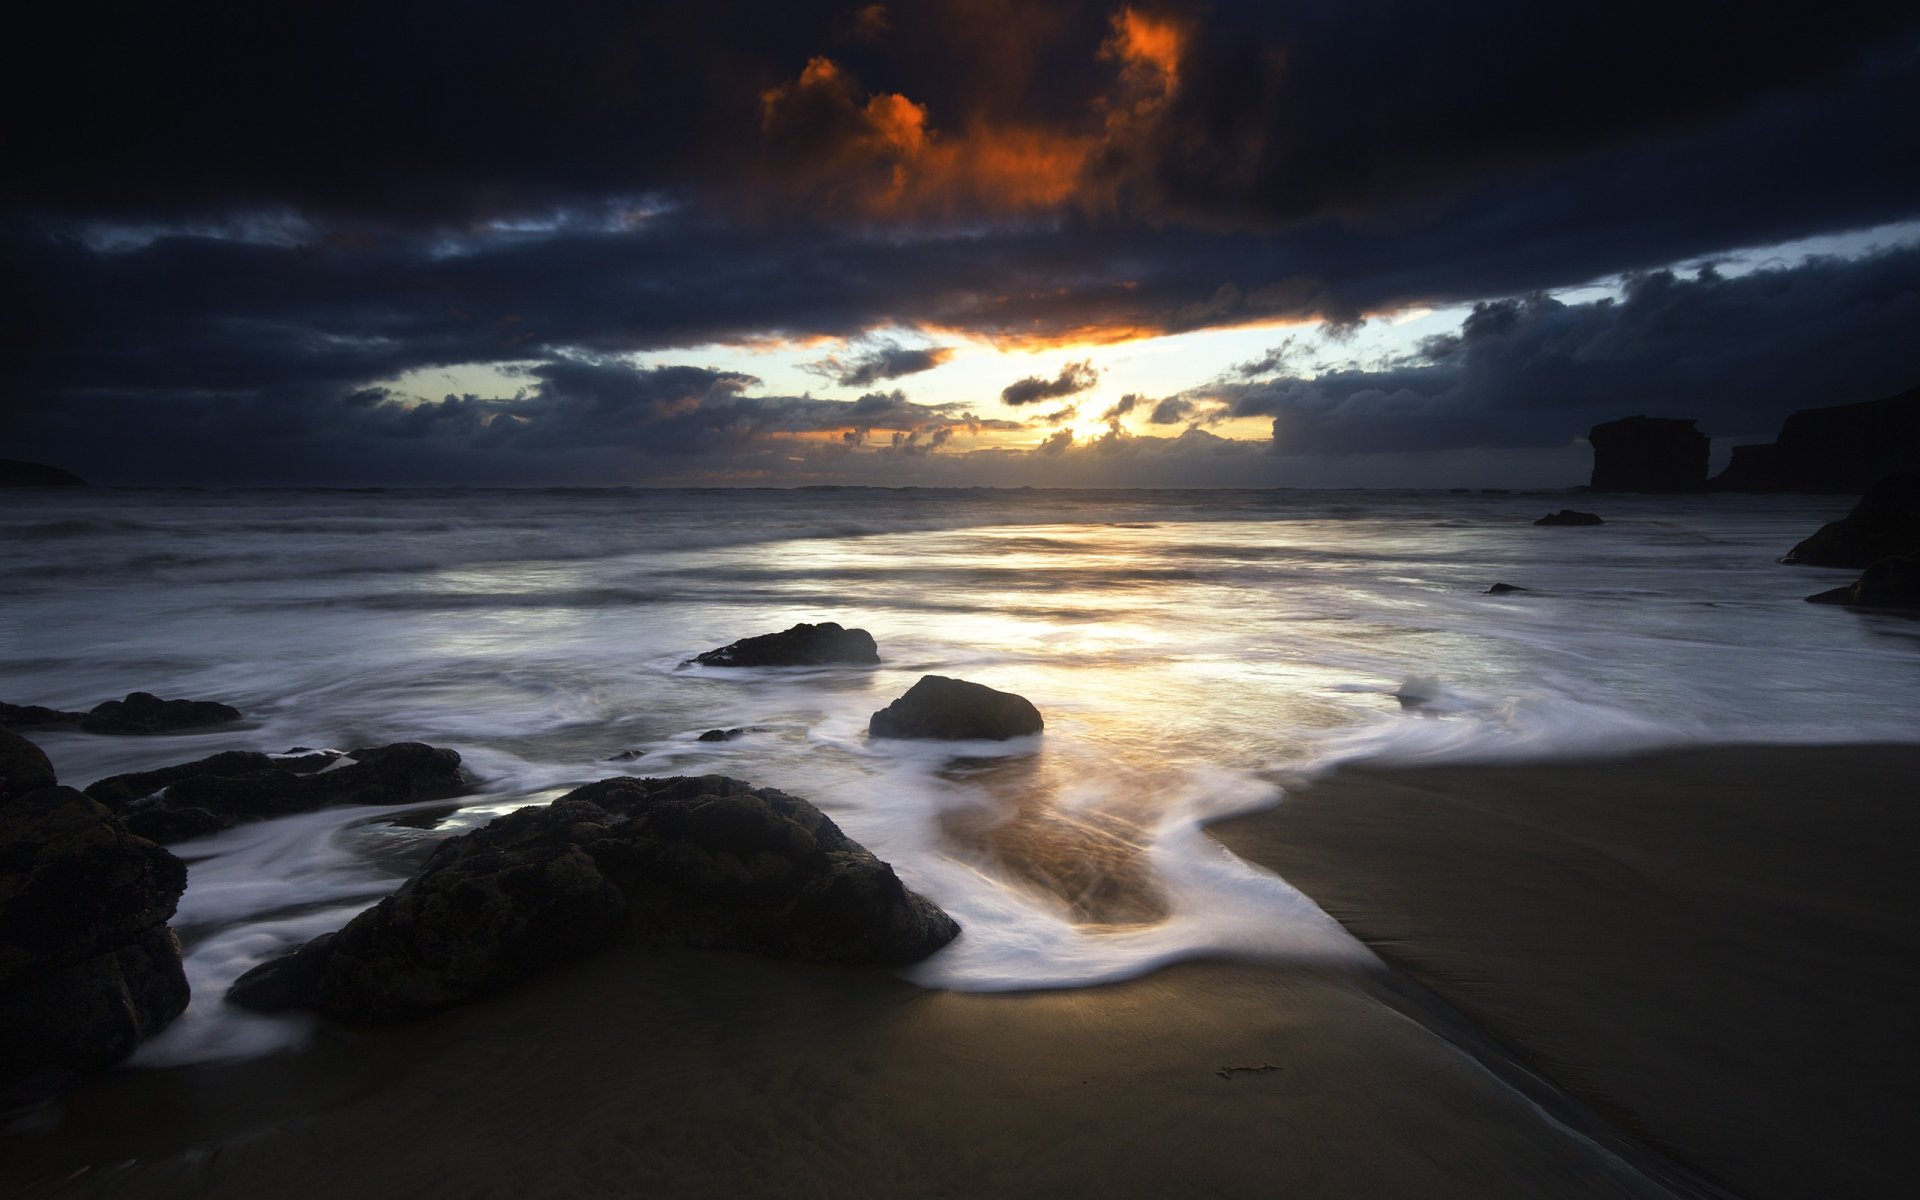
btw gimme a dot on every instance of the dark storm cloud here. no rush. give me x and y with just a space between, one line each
1737 354
244 212
1074 377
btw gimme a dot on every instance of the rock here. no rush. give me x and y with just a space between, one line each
802 646
1568 516
708 863
143 712
720 735
14 473
626 756
1885 522
210 794
88 966
1506 589
1839 449
29 716
1892 584
24 767
955 710
1648 454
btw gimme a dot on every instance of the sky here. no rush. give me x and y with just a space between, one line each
1200 243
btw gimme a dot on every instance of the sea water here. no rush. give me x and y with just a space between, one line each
1191 651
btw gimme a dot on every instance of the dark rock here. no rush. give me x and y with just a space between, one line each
14 473
1496 491
1839 449
725 735
955 710
24 767
802 646
143 712
88 966
709 863
1885 522
1648 454
1568 516
29 716
1505 589
626 756
210 794
1892 584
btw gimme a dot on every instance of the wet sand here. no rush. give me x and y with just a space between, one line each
1718 949
1714 950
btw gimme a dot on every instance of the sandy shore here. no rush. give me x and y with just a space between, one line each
1718 949
1710 948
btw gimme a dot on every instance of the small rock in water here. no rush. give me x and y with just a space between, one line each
709 863
29 716
144 712
626 756
956 710
1504 589
819 645
1568 516
720 735
1892 584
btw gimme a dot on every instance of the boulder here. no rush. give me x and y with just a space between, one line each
1568 516
1648 454
14 473
1838 449
210 794
1892 584
143 712
30 716
825 644
88 965
24 767
955 710
1885 522
707 862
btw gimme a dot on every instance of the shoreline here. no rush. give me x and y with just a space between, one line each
690 1073
1714 947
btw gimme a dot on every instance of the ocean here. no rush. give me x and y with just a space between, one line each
1192 652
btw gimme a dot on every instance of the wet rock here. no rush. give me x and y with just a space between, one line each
1568 516
1885 522
1892 584
708 862
15 473
210 794
24 767
1648 454
955 710
626 756
722 735
31 716
824 644
1505 589
143 712
88 966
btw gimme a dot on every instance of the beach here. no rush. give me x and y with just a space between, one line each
1704 959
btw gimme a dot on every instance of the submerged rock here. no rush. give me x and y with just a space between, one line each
1568 516
819 645
88 965
1885 522
210 794
1892 584
708 862
143 712
955 710
1505 589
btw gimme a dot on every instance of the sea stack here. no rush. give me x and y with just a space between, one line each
1648 454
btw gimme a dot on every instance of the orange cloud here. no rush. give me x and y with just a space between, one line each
1150 47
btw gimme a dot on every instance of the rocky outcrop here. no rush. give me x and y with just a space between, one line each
35 716
1840 449
1568 516
14 473
1885 522
1648 454
210 794
144 712
88 965
825 644
1891 584
709 863
955 710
